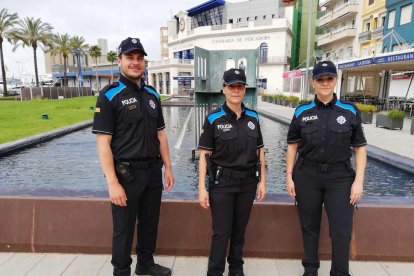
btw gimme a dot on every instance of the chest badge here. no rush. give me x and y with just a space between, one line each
341 120
152 104
251 125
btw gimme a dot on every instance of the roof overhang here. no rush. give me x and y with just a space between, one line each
205 7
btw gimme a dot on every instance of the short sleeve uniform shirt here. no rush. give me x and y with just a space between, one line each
233 142
325 133
132 114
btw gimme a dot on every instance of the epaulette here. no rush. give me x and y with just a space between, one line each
111 90
216 114
304 107
152 90
346 105
251 113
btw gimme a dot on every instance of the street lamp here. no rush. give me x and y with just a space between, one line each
78 52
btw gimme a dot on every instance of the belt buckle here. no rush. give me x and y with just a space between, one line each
325 168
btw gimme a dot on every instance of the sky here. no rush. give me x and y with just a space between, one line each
93 19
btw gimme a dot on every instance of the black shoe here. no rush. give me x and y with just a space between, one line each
236 273
154 270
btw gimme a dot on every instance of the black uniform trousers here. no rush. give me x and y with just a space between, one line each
143 203
231 201
332 189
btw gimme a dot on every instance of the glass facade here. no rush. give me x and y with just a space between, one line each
208 18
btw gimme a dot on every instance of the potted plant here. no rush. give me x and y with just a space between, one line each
293 101
392 119
304 101
367 112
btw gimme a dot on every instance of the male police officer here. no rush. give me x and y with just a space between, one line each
322 133
131 143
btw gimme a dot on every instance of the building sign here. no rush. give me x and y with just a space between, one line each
240 39
180 78
401 77
378 60
358 63
292 74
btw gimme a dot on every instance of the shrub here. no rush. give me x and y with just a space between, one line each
395 114
293 99
366 107
304 101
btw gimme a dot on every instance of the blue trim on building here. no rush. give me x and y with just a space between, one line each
212 117
304 107
152 91
347 106
205 7
252 114
111 93
88 73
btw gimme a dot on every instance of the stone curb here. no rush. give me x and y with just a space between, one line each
10 147
401 162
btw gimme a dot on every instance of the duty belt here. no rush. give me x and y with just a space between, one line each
236 174
141 164
326 167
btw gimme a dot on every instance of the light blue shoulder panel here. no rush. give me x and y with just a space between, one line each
152 91
214 116
111 93
304 107
347 106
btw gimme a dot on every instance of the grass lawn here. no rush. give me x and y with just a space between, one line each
21 119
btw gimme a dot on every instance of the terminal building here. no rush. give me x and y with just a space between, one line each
215 25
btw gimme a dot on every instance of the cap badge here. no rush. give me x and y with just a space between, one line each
341 120
236 72
325 64
152 104
134 41
251 125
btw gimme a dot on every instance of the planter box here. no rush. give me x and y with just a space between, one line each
294 104
412 126
367 117
383 120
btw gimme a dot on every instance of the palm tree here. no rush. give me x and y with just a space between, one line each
111 57
95 52
33 33
79 47
7 22
60 45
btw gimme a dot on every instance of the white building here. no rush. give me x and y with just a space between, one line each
219 25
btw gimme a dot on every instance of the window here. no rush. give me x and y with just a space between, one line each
370 2
273 15
406 12
247 19
263 53
239 20
264 17
231 21
255 18
382 22
367 25
391 19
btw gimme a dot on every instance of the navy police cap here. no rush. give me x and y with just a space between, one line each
234 76
129 45
324 68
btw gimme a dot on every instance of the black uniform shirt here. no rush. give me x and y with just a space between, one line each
233 142
133 116
325 133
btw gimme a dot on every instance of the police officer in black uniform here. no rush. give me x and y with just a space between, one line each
322 133
132 147
231 147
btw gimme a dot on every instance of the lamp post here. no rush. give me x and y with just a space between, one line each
77 52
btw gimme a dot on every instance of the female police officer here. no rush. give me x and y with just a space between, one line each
231 147
322 133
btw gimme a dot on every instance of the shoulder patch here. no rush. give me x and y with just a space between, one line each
346 106
113 90
304 107
152 91
252 113
215 115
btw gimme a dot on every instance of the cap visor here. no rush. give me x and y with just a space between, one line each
235 81
324 74
134 49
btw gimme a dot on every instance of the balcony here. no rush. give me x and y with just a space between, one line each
173 61
330 17
348 32
364 36
378 32
274 60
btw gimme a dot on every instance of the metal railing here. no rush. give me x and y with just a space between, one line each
43 92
